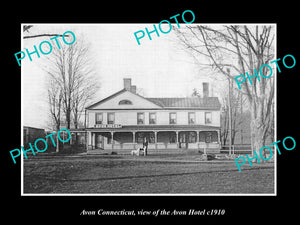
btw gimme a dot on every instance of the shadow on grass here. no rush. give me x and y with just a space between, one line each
150 176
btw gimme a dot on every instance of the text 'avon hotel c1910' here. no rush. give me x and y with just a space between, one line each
121 121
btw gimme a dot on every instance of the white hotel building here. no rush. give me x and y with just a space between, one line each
121 121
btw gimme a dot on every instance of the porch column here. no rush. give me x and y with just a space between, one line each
177 138
219 138
197 136
112 140
89 140
133 137
155 139
93 140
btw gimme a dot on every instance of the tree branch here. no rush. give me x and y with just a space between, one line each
44 35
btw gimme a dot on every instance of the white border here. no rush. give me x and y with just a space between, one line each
142 194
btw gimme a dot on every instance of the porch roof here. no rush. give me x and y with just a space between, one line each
156 128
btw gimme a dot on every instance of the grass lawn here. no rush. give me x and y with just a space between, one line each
152 174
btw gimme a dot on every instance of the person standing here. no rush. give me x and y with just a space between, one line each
145 146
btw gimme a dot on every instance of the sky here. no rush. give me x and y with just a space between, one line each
158 67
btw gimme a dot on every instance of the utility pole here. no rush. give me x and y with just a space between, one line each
229 113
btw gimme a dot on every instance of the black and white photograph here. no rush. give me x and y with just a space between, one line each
171 114
141 116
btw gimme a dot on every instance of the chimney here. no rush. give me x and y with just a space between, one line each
127 84
205 89
133 89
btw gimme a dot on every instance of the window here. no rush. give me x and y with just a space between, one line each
140 118
172 118
208 117
125 102
110 118
192 118
152 118
99 118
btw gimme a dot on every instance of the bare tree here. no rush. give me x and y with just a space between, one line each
242 49
55 106
26 28
237 101
55 103
84 93
70 67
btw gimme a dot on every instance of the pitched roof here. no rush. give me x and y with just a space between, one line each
190 102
